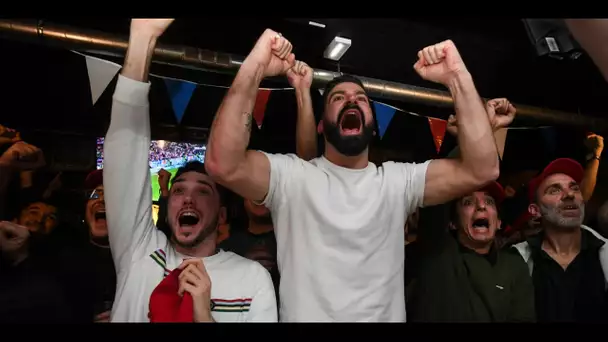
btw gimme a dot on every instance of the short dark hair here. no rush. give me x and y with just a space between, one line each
197 166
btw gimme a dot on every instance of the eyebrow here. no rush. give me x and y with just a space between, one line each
342 92
202 182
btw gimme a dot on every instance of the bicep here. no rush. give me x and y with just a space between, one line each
252 178
446 179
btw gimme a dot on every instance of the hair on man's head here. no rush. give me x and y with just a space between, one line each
197 166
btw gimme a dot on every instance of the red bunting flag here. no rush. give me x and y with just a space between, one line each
260 106
438 128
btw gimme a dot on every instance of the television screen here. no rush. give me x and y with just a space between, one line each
168 155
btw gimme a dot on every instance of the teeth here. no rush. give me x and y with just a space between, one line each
189 213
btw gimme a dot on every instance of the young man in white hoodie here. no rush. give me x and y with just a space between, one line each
224 287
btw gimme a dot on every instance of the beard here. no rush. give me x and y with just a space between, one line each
552 215
352 145
204 234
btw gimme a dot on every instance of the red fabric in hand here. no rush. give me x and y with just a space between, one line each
167 306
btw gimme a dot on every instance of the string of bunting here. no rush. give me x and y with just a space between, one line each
101 72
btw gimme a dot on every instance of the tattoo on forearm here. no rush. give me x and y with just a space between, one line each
249 121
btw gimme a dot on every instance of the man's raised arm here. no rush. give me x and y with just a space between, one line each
127 186
227 160
447 179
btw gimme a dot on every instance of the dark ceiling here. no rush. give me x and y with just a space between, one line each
498 53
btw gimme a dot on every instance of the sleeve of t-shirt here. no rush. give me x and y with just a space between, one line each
283 169
413 177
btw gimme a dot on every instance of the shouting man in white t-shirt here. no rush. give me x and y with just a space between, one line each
339 219
223 286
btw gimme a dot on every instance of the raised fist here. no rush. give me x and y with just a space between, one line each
8 136
439 63
300 75
154 27
23 156
273 53
163 179
500 113
12 236
595 143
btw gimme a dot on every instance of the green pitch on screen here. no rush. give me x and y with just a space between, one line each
155 187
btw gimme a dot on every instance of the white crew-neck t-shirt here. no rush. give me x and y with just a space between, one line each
340 237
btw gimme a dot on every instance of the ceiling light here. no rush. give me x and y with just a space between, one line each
337 48
313 23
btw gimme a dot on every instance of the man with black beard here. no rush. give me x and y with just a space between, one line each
568 261
222 286
339 219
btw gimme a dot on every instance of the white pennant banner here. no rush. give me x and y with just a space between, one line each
101 73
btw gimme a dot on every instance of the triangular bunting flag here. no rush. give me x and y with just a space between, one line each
500 137
321 91
101 73
180 93
260 106
384 116
438 128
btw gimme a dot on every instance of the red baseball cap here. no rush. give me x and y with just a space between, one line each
495 190
166 306
566 166
94 179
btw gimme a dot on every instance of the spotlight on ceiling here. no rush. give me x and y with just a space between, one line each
337 48
314 23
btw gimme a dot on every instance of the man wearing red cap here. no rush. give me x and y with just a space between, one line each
185 278
567 260
463 276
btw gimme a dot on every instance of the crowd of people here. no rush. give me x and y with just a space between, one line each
167 150
251 236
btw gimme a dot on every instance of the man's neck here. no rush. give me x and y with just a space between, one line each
259 228
206 248
355 162
562 241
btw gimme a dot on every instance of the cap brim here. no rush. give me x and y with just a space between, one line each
566 166
495 190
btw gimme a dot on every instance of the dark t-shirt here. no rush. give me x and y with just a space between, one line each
30 293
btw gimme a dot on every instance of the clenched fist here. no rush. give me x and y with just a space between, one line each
595 143
8 135
439 63
195 280
23 156
500 113
272 52
154 27
13 237
163 179
300 75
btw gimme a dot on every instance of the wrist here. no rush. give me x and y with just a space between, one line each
139 55
204 317
458 81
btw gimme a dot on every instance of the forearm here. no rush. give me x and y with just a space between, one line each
231 128
590 178
139 56
475 137
306 134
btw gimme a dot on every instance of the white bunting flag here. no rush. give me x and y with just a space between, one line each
101 73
